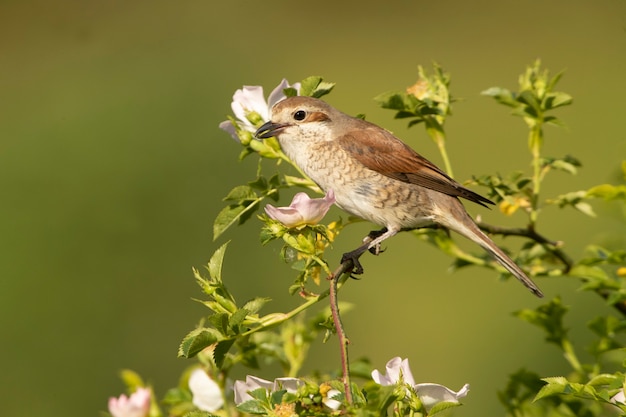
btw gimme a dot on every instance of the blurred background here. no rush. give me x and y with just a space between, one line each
112 169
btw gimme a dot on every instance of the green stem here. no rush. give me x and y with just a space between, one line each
435 131
570 356
535 139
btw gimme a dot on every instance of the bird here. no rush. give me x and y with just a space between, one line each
376 176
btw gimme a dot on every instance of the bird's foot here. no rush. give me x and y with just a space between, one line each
357 268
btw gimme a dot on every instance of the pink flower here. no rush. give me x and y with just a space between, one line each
252 383
138 405
251 109
207 395
302 210
398 371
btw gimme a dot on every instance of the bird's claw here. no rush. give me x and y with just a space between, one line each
357 268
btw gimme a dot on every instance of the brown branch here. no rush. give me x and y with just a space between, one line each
531 233
345 267
553 247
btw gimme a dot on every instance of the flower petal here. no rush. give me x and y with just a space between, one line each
277 93
228 126
137 405
619 397
431 394
250 99
329 400
397 369
288 216
242 388
313 210
288 384
207 395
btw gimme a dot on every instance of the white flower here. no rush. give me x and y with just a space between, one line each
398 371
251 108
137 405
207 395
328 397
302 210
252 383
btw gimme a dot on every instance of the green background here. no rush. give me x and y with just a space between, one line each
112 170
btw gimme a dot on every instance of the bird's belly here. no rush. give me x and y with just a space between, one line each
384 201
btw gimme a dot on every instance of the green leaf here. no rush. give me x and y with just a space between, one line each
554 386
439 407
241 193
502 95
131 379
235 321
254 305
220 351
196 341
220 322
532 101
608 192
198 413
252 407
226 218
557 99
549 317
315 86
216 262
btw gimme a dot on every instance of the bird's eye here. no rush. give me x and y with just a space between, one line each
299 115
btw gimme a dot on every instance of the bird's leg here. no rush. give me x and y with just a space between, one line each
371 243
374 250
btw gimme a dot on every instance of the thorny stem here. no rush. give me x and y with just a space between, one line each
334 278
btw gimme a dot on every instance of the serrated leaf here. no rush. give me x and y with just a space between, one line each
439 407
322 89
215 263
260 183
198 413
241 193
196 341
254 305
551 388
252 407
236 319
226 218
220 351
309 84
315 86
220 322
604 379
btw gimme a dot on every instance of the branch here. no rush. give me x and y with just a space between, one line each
345 267
530 233
553 247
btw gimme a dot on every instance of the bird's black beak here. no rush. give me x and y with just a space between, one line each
268 130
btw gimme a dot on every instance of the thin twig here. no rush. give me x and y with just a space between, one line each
345 267
532 234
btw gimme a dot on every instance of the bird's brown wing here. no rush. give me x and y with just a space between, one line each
382 152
